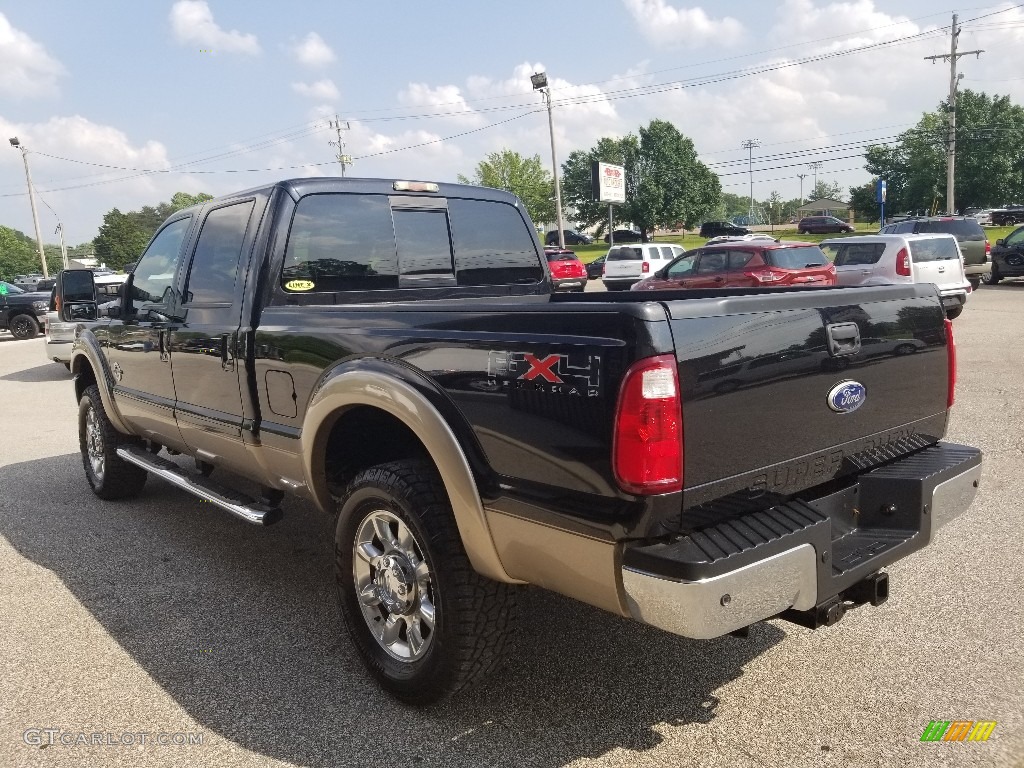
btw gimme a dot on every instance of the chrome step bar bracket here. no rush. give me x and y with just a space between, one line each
240 505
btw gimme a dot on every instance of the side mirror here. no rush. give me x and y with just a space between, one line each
75 295
1000 242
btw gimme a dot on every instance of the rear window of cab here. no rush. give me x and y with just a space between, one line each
365 242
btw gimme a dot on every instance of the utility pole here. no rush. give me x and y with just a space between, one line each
815 166
801 176
32 202
339 125
749 145
951 57
59 230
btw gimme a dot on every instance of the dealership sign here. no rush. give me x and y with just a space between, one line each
608 182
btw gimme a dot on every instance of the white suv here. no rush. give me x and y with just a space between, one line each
628 264
883 259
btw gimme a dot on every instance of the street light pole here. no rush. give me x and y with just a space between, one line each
815 166
32 201
540 83
749 144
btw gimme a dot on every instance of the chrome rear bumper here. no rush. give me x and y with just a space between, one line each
803 566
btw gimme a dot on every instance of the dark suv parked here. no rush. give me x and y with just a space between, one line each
974 244
1007 257
572 237
822 225
719 228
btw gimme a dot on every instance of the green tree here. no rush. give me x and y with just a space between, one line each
862 200
989 159
18 254
123 236
826 189
524 177
666 185
121 239
774 205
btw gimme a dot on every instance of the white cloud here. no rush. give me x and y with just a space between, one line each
684 27
321 90
444 99
26 69
312 51
192 23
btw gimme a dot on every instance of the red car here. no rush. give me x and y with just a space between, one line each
567 271
743 265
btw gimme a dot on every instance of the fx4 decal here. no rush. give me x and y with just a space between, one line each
577 375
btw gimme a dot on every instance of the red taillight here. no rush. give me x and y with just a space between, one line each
765 275
903 262
951 361
988 250
646 267
647 449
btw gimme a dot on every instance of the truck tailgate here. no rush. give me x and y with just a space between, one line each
785 390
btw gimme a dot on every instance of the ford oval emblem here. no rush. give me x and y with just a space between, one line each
847 396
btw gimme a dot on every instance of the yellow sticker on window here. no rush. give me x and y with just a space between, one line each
300 285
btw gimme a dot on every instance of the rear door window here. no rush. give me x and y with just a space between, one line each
796 258
933 249
739 259
855 254
712 262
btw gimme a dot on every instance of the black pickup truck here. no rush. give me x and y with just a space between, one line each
21 311
393 352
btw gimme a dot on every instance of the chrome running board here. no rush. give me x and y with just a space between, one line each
238 504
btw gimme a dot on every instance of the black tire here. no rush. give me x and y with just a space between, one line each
68 365
954 313
991 278
23 327
109 476
975 283
470 614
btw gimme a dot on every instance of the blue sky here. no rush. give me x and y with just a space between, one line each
193 93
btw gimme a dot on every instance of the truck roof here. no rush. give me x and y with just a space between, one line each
297 188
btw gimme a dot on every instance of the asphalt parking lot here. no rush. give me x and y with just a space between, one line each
164 617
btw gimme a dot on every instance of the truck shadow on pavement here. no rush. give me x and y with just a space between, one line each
45 372
239 625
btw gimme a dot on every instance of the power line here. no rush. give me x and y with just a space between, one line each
152 171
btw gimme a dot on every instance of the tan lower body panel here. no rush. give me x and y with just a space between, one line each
579 567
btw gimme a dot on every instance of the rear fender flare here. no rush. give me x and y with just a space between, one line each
367 383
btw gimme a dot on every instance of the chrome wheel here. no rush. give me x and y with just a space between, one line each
394 585
94 444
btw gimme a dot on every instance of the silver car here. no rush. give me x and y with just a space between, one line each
59 334
884 259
